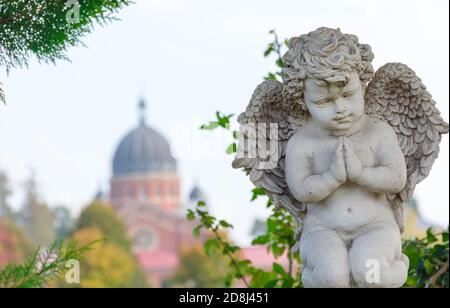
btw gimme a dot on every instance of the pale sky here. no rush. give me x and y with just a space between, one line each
190 58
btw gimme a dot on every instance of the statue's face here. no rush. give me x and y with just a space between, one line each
334 106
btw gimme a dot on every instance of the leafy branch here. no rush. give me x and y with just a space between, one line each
429 260
42 266
211 224
46 29
275 47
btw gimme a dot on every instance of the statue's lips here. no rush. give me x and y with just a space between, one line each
343 119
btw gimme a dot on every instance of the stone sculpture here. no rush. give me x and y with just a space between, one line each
341 149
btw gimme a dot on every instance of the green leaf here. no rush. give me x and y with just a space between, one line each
431 238
271 284
232 148
201 204
261 240
230 249
271 76
287 283
429 267
190 215
445 236
244 266
209 126
211 246
280 63
225 224
223 120
272 225
256 192
235 134
196 230
277 249
229 280
279 269
269 50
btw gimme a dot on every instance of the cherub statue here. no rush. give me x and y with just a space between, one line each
351 146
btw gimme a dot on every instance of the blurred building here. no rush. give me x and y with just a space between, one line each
145 191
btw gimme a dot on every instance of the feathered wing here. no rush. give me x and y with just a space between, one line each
398 96
266 106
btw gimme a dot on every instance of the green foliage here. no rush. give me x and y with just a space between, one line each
429 260
45 29
42 266
279 240
279 236
275 47
221 121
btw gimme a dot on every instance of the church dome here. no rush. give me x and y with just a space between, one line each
143 150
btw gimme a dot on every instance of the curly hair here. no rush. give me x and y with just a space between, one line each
325 55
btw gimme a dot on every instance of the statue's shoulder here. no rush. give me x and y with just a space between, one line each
303 133
302 138
380 128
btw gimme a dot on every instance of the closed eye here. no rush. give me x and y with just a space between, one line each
348 94
324 101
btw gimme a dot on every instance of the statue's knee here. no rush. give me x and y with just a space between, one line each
338 278
366 272
374 274
363 278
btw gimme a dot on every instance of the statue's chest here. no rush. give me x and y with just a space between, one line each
321 157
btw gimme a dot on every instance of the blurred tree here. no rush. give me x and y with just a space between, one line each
108 265
35 217
102 216
199 270
5 192
14 246
111 263
64 222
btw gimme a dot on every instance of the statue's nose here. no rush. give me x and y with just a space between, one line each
340 107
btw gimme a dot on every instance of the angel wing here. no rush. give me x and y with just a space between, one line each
397 96
266 106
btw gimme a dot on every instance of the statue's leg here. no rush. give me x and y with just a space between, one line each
376 259
325 262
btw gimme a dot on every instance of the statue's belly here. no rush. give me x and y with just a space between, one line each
351 207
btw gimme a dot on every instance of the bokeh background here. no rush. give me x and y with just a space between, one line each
188 59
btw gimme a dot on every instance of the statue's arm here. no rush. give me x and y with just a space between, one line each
389 175
306 186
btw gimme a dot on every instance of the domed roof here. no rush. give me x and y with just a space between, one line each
143 150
